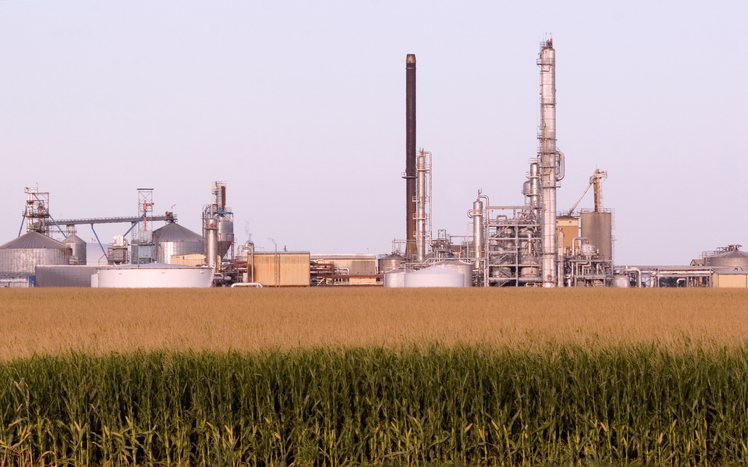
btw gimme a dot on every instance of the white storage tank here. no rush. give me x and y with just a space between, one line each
153 275
621 281
434 277
395 278
466 269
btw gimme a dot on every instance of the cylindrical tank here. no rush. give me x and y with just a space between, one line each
534 187
434 277
173 239
587 250
621 281
530 268
731 260
78 247
23 254
155 276
466 269
478 233
598 228
211 242
389 262
225 235
395 278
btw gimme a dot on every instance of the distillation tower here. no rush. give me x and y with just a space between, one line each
517 245
551 162
218 227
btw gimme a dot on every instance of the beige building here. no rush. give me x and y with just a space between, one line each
282 269
730 280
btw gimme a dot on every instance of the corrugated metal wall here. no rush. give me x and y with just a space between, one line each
281 269
65 276
598 228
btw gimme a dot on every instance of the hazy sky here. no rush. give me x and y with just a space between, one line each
300 108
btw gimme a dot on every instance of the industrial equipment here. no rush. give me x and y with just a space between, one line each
218 227
410 157
175 240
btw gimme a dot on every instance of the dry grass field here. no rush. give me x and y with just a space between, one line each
56 321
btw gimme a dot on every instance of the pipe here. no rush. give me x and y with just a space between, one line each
597 180
23 219
246 284
560 166
638 274
410 156
99 241
560 262
252 250
574 244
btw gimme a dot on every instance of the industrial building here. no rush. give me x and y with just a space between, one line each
530 243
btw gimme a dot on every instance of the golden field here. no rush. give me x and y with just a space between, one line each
56 321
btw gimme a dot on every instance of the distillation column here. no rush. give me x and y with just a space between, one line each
548 158
410 157
423 190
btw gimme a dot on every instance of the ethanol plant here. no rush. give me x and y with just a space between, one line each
530 243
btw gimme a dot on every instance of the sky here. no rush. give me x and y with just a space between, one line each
300 108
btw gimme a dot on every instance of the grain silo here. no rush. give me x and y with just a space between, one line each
22 255
78 247
173 239
729 258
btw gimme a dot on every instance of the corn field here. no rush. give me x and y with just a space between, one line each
460 405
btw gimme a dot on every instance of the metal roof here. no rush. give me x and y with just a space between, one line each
74 239
344 256
34 240
155 266
731 254
173 232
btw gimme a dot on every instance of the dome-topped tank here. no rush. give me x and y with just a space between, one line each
729 259
173 239
78 247
466 269
23 254
434 277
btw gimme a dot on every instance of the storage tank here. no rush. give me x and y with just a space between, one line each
389 262
621 281
225 235
23 254
153 275
731 260
78 247
598 228
466 269
395 278
434 277
173 239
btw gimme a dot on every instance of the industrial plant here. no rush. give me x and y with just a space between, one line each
527 244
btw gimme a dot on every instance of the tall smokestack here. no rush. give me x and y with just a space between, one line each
410 156
548 160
